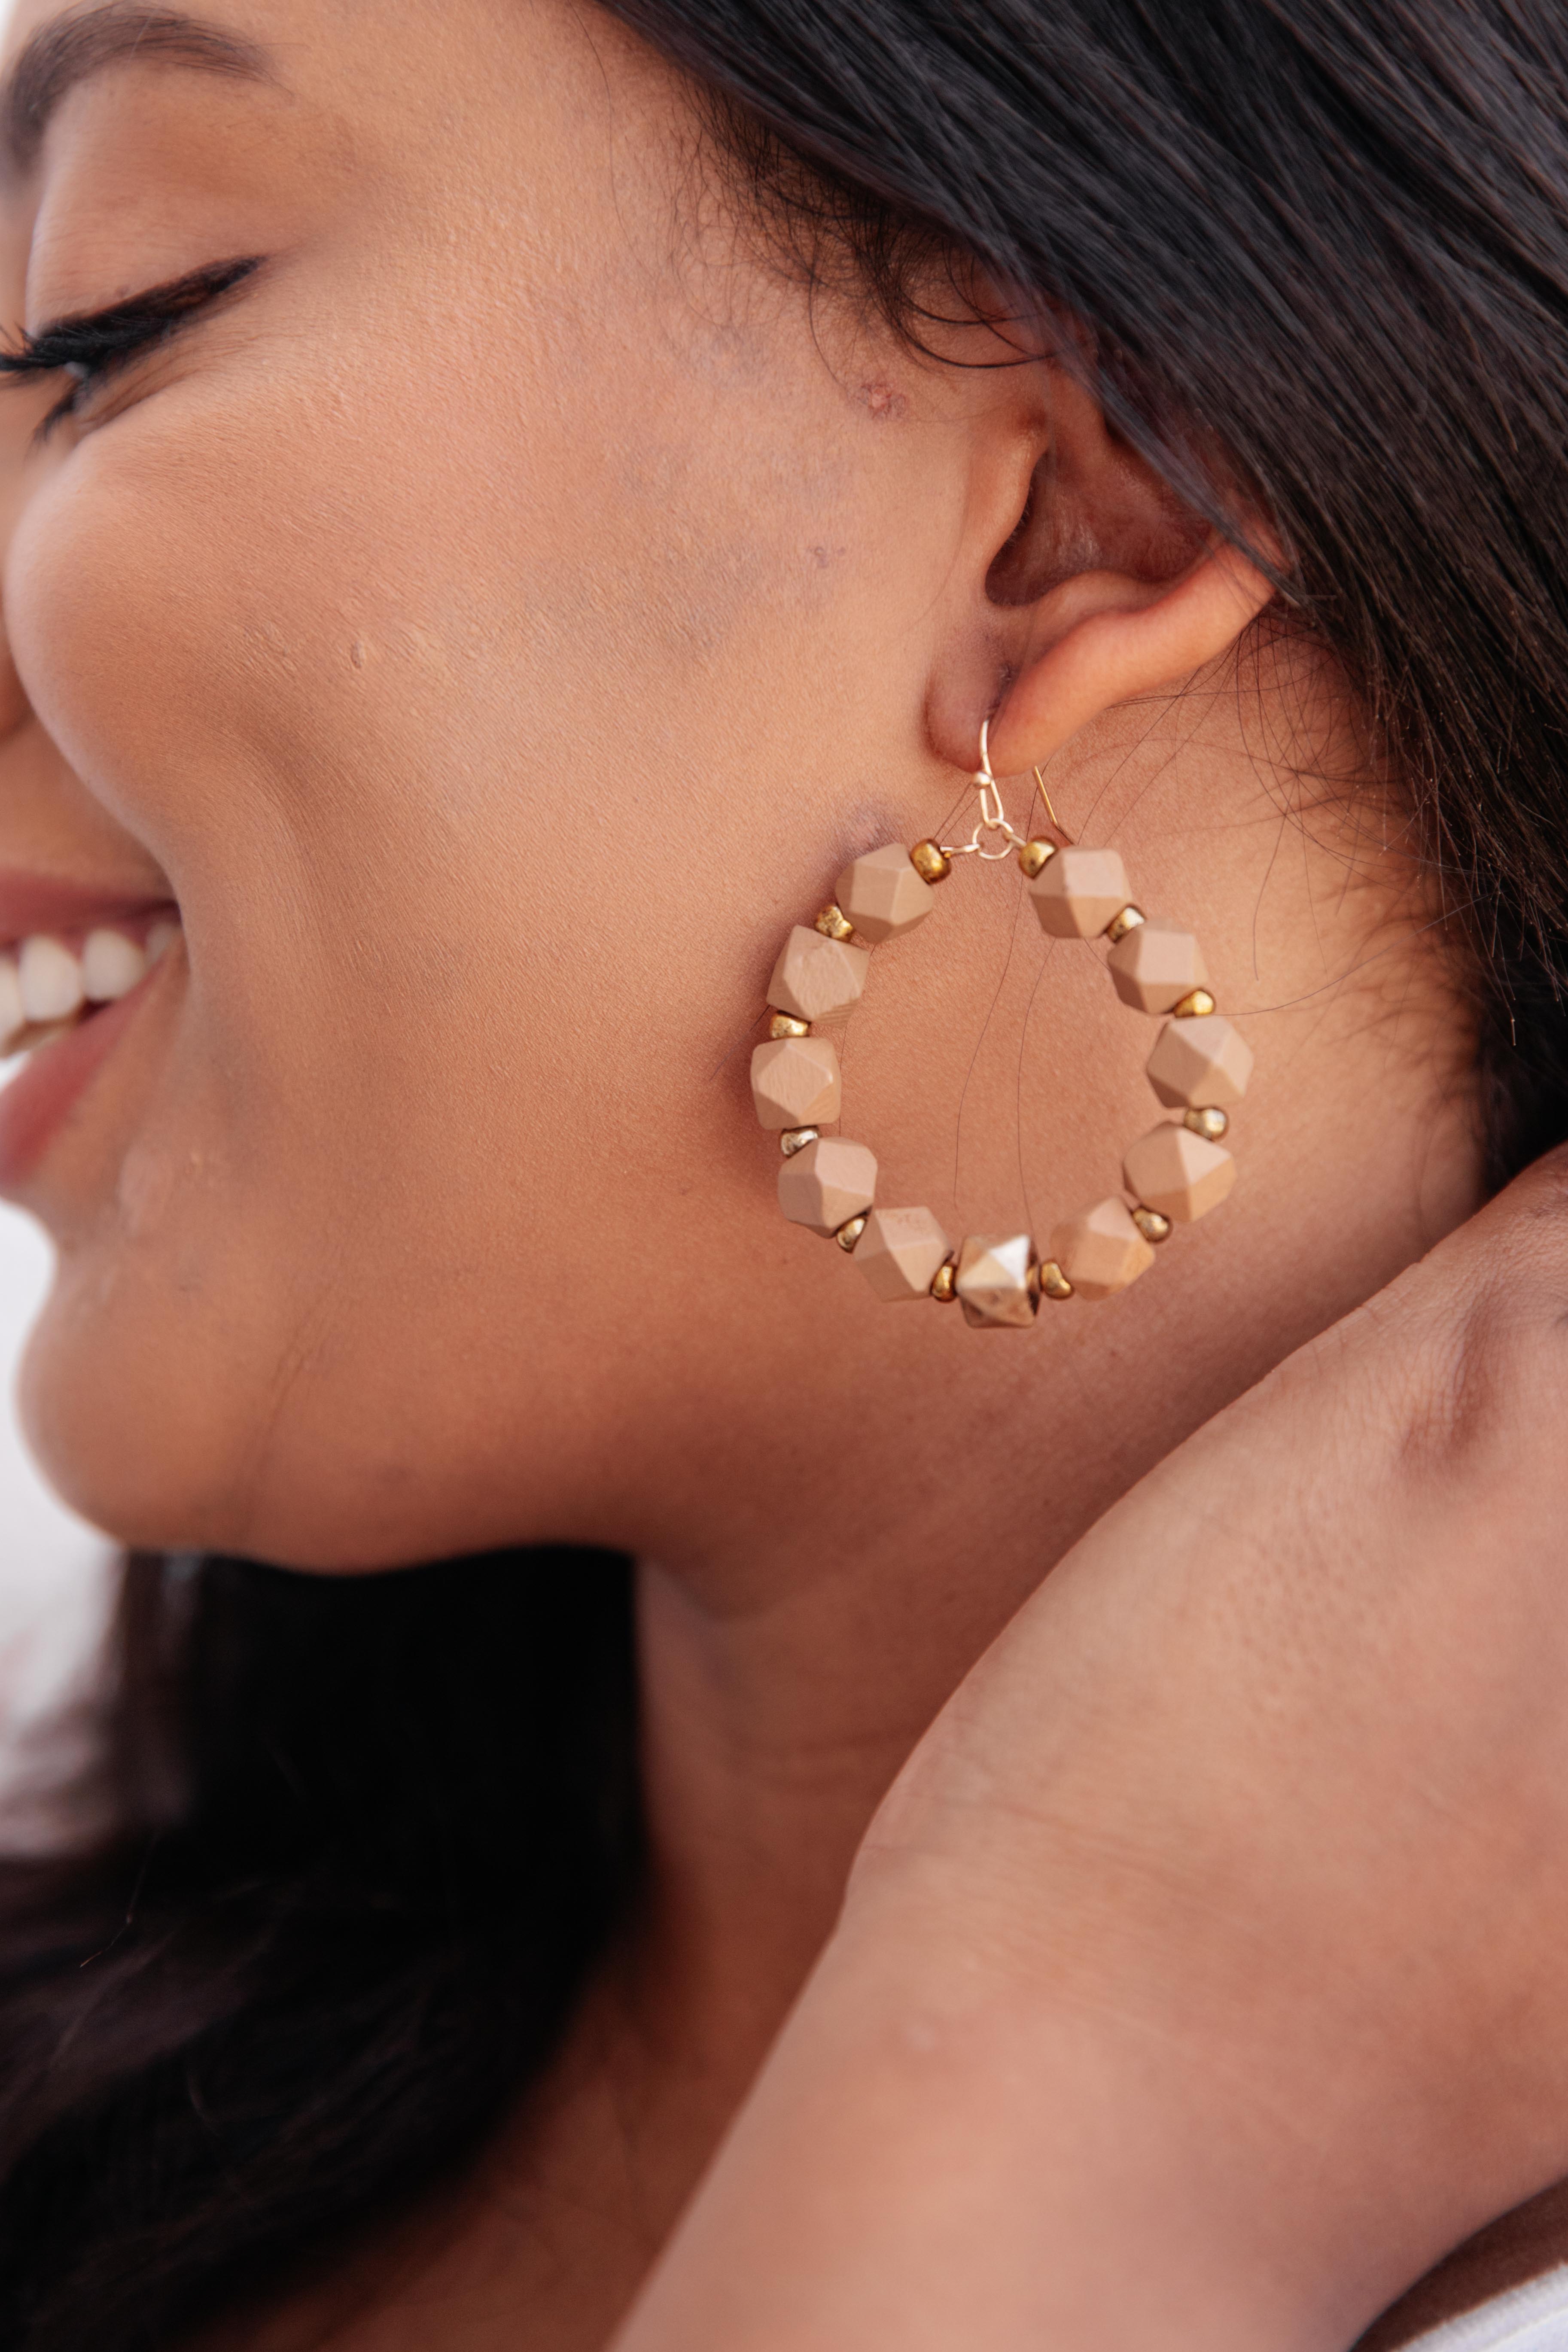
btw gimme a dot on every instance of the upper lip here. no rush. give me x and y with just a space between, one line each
31 903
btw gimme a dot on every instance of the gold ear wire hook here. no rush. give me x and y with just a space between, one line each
992 815
1050 810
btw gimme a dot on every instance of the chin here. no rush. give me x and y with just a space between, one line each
140 1416
129 1423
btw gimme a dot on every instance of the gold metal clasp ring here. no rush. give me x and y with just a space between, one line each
993 815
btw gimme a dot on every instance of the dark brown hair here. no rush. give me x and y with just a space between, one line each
371 1835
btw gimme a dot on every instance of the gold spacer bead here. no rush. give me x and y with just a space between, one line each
834 923
795 1139
1210 1124
1193 1005
944 1289
1152 1224
1131 918
848 1235
784 1025
1033 856
1054 1282
929 861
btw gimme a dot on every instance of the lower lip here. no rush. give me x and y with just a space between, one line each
36 1104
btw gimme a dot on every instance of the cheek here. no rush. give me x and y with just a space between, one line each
80 564
485 786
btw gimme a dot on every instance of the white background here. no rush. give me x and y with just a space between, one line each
55 1573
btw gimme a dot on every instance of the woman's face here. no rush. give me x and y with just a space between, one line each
491 624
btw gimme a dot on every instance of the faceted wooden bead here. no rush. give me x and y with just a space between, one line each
1180 1174
901 1252
795 1082
816 976
1200 1061
1155 965
1101 1251
1080 892
830 1182
883 896
993 1280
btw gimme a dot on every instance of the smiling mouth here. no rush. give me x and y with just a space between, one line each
53 981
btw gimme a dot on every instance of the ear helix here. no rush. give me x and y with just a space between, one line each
1199 1068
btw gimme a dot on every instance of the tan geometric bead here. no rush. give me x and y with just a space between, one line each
1101 1251
1178 1174
830 1182
901 1252
814 976
1080 892
883 896
1155 966
993 1280
795 1082
1204 1061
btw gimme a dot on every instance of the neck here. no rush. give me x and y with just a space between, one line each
790 1666
773 1726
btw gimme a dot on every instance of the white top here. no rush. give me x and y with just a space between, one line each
1530 2318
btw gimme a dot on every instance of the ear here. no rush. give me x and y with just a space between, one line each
1104 587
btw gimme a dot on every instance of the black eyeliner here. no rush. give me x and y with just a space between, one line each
95 343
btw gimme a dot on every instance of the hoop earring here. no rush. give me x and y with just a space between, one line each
1199 1068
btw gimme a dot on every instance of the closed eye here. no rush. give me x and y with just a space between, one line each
90 347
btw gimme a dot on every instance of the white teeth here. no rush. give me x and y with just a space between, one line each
51 980
44 986
111 966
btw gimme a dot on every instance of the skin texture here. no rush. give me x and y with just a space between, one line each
1222 1912
494 626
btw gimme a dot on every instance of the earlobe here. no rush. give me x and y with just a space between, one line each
1105 637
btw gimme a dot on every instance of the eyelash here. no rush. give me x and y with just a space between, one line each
92 347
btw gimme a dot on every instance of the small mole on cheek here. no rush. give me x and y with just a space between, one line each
882 400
